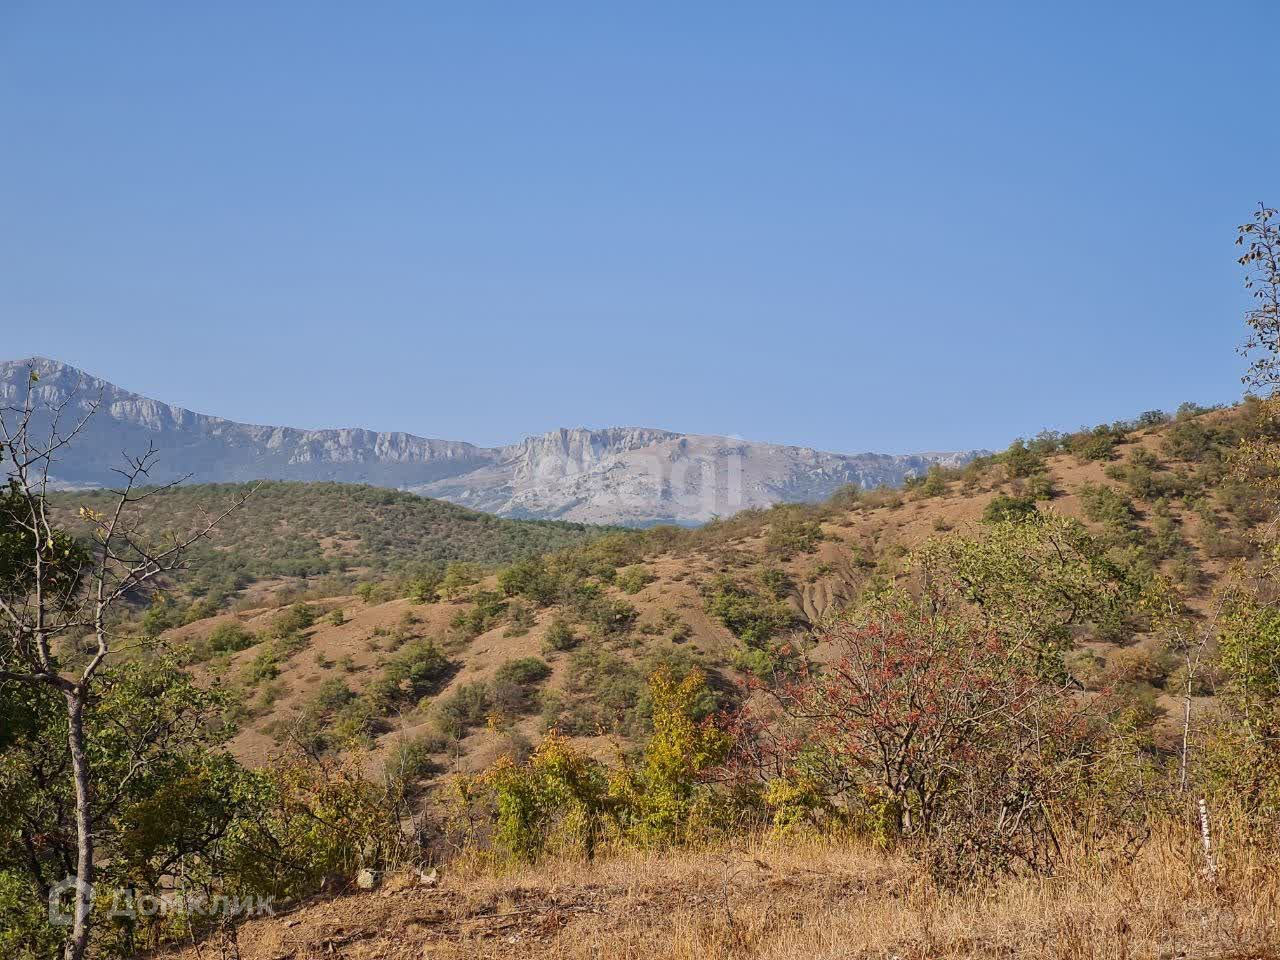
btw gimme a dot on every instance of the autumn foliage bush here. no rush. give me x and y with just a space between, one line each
920 723
562 801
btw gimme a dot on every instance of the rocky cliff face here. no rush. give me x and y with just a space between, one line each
216 450
636 476
627 475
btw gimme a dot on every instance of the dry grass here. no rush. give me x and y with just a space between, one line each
796 900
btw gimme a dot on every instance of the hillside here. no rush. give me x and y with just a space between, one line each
1157 494
548 712
622 475
294 532
507 668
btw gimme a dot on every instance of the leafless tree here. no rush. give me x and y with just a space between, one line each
1190 641
1261 260
59 593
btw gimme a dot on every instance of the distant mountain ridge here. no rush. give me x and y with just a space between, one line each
617 475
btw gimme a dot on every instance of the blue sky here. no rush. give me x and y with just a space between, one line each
846 225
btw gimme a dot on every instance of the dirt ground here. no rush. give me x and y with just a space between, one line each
779 900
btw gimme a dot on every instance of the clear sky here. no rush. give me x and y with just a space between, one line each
847 225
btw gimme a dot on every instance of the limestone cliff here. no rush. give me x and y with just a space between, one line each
620 475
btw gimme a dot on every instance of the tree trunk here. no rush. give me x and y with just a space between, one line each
78 942
1186 736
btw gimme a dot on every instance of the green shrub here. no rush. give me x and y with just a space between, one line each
285 647
264 666
1137 665
513 687
524 671
749 615
1241 500
225 638
602 694
1223 543
559 636
1039 487
332 695
790 533
354 724
632 580
1142 457
1166 534
1190 439
935 483
555 801
519 619
1021 461
611 617
466 707
530 579
776 582
413 674
333 717
1095 446
1109 507
272 691
758 662
159 617
25 933
425 586
1002 507
489 608
412 759
299 617
458 578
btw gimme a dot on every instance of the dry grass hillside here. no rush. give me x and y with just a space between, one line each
449 675
785 900
500 668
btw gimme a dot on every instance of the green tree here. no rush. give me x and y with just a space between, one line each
663 797
458 578
1021 461
1243 756
557 800
1033 579
162 794
58 603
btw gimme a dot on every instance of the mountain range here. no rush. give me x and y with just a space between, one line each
619 475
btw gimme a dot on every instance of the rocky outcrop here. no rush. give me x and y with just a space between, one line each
620 475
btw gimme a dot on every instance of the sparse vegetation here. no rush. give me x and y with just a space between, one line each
1052 662
411 675
318 530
